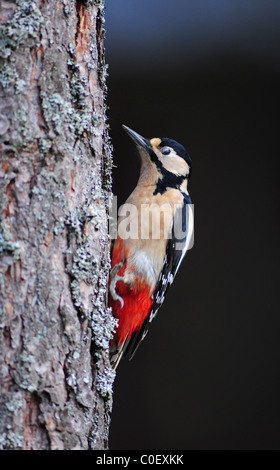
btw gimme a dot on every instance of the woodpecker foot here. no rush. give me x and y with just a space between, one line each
114 279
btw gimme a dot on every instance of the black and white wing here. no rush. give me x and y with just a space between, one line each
180 241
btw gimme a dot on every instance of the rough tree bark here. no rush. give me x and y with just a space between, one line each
56 381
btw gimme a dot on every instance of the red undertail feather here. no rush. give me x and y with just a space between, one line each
137 301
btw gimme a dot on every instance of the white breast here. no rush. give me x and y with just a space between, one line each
143 265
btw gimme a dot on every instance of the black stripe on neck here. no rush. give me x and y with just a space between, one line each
168 179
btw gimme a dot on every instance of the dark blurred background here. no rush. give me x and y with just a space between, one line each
205 73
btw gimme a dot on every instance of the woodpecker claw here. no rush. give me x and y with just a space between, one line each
114 279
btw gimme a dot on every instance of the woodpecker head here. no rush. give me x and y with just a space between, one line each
171 162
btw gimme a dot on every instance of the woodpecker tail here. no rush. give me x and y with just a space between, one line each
116 353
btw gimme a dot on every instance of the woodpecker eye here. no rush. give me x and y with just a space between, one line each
166 151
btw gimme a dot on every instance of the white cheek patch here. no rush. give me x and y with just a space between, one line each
175 164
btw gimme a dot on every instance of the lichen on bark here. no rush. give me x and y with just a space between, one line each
56 380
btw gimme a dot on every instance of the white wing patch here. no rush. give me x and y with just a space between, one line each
189 238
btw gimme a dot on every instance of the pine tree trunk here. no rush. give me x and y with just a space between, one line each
54 249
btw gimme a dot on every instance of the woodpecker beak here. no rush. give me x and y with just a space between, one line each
137 138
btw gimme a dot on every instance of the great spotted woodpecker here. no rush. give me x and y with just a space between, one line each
155 229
